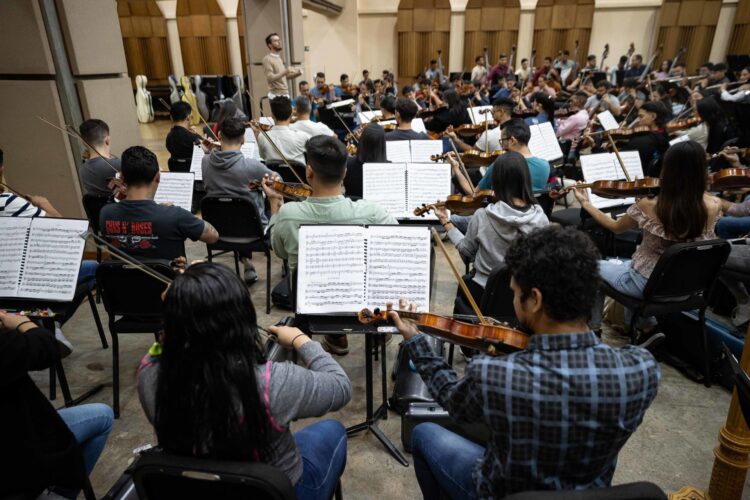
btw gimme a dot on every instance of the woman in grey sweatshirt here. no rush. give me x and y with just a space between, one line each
492 229
209 393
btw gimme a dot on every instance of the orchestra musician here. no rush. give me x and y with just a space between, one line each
370 149
741 94
564 369
95 172
181 138
682 211
208 390
388 108
570 128
322 92
434 73
663 72
406 111
479 71
500 69
652 141
636 67
452 112
564 65
304 124
290 142
613 71
544 107
304 90
275 70
489 140
602 100
325 173
524 72
713 130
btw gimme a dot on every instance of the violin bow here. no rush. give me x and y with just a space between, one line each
103 244
344 124
74 133
6 186
461 164
619 158
461 282
165 103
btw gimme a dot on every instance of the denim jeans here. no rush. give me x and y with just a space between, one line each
322 446
732 227
90 425
623 277
87 275
444 462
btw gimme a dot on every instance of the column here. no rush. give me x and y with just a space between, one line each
724 28
168 9
229 9
458 24
526 33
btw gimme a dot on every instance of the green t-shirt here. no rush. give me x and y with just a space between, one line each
538 168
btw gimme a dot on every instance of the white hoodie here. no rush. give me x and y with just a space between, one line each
491 231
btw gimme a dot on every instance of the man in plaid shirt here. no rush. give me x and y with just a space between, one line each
560 410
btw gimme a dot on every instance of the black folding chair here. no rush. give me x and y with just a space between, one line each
93 205
133 303
281 168
630 491
240 232
681 281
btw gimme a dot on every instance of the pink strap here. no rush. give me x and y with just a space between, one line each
267 402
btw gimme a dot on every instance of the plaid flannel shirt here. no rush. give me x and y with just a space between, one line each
559 411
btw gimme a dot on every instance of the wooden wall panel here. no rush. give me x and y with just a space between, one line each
492 24
423 28
690 24
739 42
203 42
557 26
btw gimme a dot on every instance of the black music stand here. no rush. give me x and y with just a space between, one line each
48 322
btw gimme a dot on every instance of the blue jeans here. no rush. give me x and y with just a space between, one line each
624 278
444 462
322 446
732 227
90 425
86 275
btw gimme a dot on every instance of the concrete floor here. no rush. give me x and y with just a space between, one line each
672 448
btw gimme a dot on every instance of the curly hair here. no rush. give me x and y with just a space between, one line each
563 265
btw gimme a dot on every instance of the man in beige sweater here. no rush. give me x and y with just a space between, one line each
276 72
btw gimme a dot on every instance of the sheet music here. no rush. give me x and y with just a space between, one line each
196 162
607 120
176 188
385 184
367 116
632 161
398 151
249 135
427 183
12 253
421 151
53 260
599 167
417 125
250 150
331 269
543 142
398 265
476 117
266 120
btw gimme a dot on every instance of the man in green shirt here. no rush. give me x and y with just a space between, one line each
325 171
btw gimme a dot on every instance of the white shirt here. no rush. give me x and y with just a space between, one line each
12 205
523 74
478 72
290 142
493 136
311 128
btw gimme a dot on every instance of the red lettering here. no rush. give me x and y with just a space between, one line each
112 226
140 228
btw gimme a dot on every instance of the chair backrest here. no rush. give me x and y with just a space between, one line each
497 299
281 168
93 205
232 217
158 475
545 201
630 491
127 291
742 381
686 269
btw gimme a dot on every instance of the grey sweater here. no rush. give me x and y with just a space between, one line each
227 173
288 392
491 231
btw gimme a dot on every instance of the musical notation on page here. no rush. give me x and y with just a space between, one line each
427 183
196 163
176 188
385 184
398 151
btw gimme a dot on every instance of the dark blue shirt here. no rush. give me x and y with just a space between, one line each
559 411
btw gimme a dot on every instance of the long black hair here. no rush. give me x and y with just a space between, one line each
659 109
680 206
714 117
371 147
511 179
207 400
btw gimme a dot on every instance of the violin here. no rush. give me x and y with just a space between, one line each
676 125
492 339
289 190
265 127
728 178
118 188
476 157
622 133
648 186
461 205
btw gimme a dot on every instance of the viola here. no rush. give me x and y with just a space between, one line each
461 205
492 339
289 190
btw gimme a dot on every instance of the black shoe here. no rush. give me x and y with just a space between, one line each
651 342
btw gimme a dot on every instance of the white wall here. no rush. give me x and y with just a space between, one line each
378 43
619 27
332 42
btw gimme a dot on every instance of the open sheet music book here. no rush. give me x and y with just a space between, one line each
40 257
607 120
412 151
605 167
176 188
196 162
400 188
343 269
543 143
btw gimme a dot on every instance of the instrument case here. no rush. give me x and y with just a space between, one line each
420 412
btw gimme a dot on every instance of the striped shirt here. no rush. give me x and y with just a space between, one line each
12 205
559 411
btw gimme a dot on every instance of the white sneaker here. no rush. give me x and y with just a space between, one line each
741 314
64 344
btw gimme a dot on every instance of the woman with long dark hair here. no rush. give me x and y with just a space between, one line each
682 211
209 392
492 229
653 141
370 149
717 124
452 113
544 105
